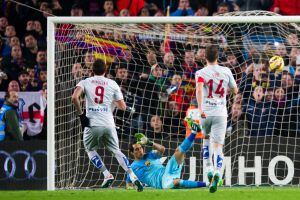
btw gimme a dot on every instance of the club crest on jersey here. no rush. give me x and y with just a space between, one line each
147 163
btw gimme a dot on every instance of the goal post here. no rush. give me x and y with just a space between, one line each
67 165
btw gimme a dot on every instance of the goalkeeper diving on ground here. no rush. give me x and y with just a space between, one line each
150 171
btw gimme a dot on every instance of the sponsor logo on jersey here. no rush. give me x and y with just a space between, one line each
98 109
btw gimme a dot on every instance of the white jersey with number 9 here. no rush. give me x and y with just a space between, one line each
100 93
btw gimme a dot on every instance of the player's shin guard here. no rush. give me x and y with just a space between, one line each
96 160
187 143
191 184
218 158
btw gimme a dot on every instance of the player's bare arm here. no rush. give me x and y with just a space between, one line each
234 90
199 93
159 148
121 105
76 99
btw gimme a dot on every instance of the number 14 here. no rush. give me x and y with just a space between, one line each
219 90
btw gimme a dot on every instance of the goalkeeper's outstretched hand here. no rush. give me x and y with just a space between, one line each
142 139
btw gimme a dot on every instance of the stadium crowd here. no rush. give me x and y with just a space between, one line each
158 81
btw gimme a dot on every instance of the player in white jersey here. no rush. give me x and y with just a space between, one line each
101 96
213 81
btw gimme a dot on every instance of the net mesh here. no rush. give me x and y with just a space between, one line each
154 64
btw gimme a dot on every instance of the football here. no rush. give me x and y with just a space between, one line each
276 63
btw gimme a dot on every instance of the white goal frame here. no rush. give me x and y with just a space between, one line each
51 21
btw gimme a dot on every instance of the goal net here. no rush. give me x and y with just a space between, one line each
155 65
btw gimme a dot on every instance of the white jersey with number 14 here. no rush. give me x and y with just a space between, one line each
217 80
100 93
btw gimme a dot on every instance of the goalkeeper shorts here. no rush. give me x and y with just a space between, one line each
172 171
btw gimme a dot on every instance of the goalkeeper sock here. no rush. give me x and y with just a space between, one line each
97 161
191 184
218 158
207 152
187 143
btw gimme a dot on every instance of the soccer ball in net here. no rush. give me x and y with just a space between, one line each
276 63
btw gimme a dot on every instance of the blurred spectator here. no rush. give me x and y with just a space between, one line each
144 12
10 31
13 86
292 40
5 49
172 120
3 25
170 68
279 98
125 13
13 41
31 48
269 93
247 5
132 6
222 8
236 123
77 10
88 61
183 9
42 77
177 93
24 81
156 129
202 11
108 8
30 26
255 76
258 114
189 65
9 118
14 63
41 61
200 57
286 7
77 71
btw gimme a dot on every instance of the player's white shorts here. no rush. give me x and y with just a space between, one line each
94 136
215 127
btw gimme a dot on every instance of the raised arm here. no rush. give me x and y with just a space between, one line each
159 148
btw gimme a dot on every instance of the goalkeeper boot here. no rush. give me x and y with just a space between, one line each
192 124
138 185
107 181
214 185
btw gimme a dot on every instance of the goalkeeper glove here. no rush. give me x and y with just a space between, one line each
85 122
142 139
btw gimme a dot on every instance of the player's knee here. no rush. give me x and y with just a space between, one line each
168 184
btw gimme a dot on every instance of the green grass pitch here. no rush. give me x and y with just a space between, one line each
271 193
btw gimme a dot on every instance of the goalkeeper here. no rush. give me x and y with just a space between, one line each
150 171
